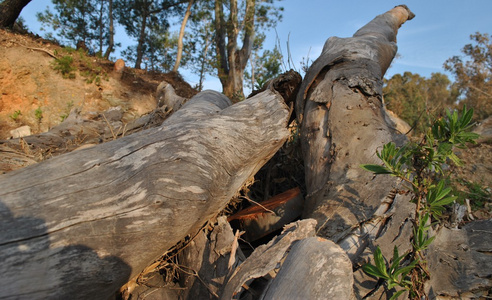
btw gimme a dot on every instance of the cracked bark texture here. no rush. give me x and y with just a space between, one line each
343 124
461 259
81 224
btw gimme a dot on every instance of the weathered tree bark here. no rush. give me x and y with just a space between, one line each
315 268
205 262
461 263
343 124
166 96
82 224
74 133
266 258
10 11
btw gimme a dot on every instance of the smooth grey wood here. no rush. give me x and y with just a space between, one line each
266 257
81 224
315 268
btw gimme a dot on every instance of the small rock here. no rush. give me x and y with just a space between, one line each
398 123
119 65
20 132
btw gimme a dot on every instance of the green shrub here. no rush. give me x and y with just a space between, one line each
15 116
64 65
419 166
39 114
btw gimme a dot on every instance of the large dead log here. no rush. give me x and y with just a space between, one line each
343 124
81 224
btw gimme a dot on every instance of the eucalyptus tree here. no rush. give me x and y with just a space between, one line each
473 74
416 99
236 24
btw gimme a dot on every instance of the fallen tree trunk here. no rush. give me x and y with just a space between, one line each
81 224
343 124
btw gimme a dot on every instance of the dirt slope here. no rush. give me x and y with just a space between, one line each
33 93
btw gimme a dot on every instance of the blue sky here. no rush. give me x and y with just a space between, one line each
439 31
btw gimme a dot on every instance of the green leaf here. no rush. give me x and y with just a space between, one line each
442 191
445 201
456 160
405 270
396 260
377 169
392 284
427 242
373 271
466 117
380 262
397 294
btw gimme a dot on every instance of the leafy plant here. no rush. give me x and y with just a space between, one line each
395 274
69 108
65 66
419 165
39 114
477 193
15 116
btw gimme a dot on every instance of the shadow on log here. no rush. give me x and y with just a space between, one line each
85 222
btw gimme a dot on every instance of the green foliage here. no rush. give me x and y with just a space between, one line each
395 274
264 67
94 75
472 74
478 194
147 22
220 33
15 116
420 166
421 240
69 108
454 129
39 114
436 198
76 20
413 97
65 66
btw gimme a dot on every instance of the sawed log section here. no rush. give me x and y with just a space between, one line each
81 224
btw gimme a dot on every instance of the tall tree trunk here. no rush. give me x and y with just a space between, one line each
111 30
141 37
220 44
181 35
10 11
232 61
203 62
101 27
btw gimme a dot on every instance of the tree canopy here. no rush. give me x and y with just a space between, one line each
413 97
78 21
219 40
473 74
